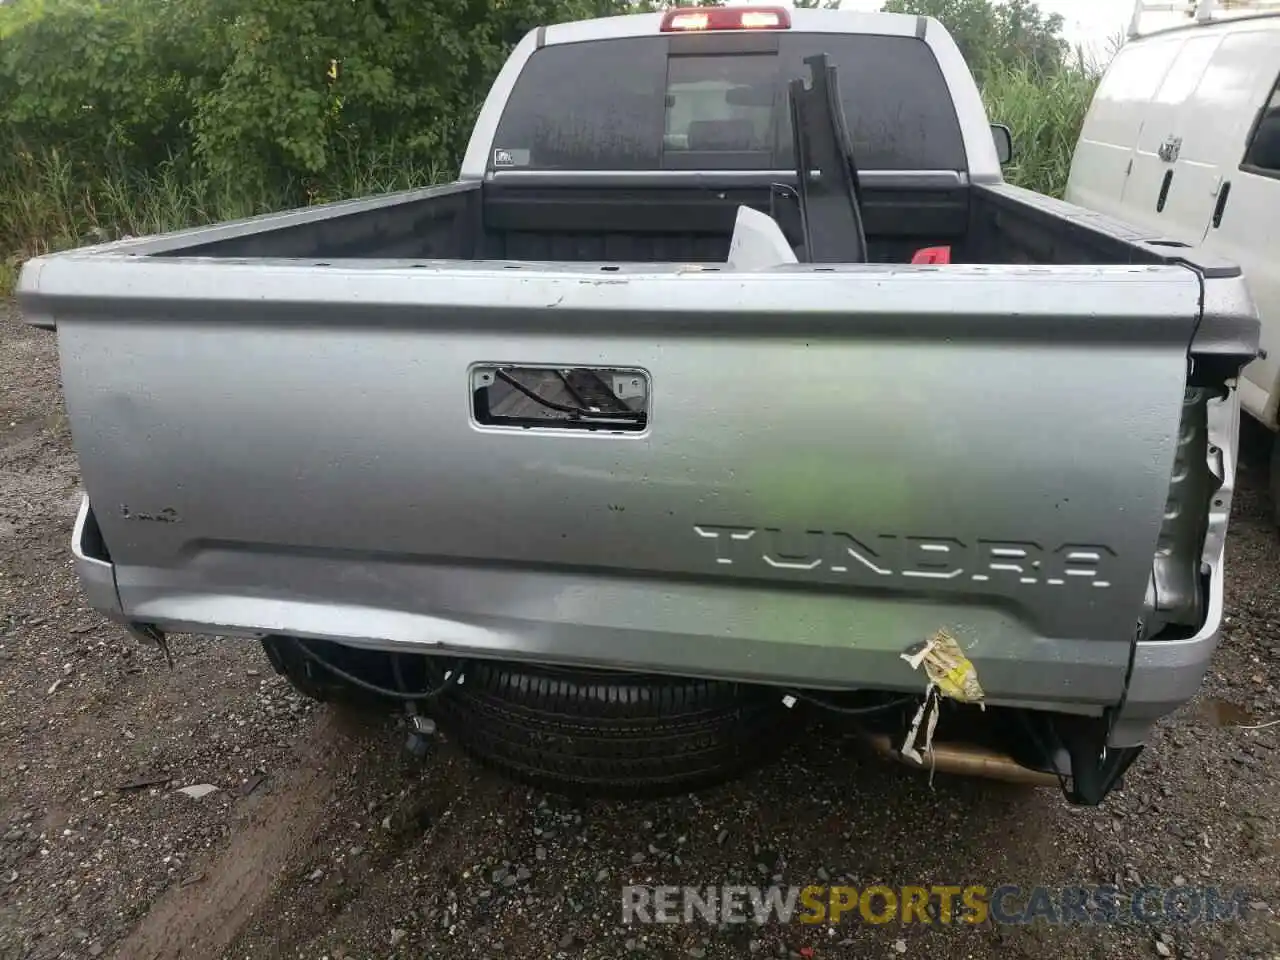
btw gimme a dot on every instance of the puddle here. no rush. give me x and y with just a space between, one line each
1224 713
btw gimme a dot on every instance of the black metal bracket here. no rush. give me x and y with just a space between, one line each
422 733
830 204
1096 769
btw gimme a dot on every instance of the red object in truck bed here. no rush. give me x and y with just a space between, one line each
932 255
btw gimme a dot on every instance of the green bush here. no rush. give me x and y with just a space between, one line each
135 116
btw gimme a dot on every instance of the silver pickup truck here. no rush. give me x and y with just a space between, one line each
729 385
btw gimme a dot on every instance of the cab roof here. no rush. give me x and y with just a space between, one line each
801 21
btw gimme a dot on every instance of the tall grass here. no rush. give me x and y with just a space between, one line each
48 204
1045 113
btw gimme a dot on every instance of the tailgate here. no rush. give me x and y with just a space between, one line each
835 463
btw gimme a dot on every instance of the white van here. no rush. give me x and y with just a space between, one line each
1183 138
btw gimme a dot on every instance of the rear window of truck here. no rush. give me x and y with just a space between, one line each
654 103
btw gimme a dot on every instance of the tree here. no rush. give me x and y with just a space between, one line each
1013 32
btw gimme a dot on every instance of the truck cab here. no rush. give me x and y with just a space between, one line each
1183 139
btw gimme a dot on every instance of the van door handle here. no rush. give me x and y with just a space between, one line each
1164 190
1221 207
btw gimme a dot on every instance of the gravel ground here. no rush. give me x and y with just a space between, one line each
326 839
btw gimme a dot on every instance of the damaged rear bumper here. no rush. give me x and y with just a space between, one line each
93 564
562 618
1168 672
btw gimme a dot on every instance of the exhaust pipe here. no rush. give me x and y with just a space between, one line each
966 759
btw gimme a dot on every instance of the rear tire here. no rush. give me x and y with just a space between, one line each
315 682
607 733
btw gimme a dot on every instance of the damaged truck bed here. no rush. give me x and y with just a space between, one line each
647 437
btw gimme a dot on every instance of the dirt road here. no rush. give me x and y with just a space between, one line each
324 838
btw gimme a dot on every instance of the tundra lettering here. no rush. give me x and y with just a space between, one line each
931 558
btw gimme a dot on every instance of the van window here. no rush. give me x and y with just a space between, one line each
1123 97
649 107
1137 70
1182 80
1263 155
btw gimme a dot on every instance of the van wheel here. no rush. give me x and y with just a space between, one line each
607 733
